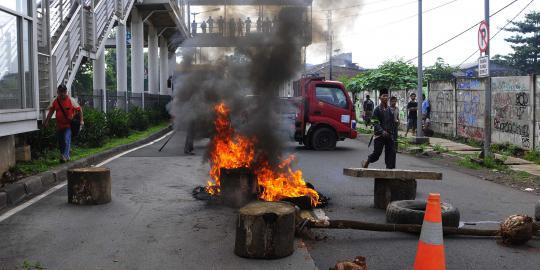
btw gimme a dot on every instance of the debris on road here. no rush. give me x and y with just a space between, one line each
359 263
517 229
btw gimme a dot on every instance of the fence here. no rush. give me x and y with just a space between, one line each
457 109
121 100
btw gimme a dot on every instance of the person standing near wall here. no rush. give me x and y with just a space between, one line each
395 110
412 115
367 110
66 109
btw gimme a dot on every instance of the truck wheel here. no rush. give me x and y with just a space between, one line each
323 139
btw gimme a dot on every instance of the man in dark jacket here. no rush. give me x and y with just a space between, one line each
384 128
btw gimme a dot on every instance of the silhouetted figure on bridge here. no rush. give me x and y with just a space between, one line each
259 24
240 27
232 27
221 25
275 24
210 22
194 27
203 27
267 24
248 26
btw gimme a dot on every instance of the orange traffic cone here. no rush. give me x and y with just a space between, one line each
430 253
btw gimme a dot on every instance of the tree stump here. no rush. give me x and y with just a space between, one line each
265 230
88 186
389 190
238 187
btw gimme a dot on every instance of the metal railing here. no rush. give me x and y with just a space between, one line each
122 100
68 48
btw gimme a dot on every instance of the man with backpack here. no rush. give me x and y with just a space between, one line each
69 119
367 108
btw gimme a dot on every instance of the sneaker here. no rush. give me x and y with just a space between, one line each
365 164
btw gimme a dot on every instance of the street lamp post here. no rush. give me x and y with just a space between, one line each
419 134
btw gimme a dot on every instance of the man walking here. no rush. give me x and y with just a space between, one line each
210 23
412 115
232 27
194 28
221 25
384 128
367 108
203 27
248 26
66 109
395 110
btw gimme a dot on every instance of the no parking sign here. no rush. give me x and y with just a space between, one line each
483 36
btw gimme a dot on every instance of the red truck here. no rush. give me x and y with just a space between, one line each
325 114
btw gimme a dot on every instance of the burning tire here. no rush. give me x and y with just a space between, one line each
412 212
323 139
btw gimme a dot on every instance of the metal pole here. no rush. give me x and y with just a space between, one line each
420 74
487 113
330 45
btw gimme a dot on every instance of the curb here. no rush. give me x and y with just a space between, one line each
13 194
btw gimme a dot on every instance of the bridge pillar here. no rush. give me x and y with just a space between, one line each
172 69
137 57
163 66
99 81
153 63
121 58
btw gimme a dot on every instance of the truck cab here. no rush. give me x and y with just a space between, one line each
325 113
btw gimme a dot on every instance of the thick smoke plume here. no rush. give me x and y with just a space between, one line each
249 88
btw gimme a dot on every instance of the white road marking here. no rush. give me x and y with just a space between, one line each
21 207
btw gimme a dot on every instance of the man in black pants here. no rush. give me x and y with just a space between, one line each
384 128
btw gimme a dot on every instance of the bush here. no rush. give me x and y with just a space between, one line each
94 132
118 123
42 140
138 119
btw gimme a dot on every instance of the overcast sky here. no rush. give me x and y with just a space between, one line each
379 30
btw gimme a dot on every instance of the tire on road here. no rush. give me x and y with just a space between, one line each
323 139
412 212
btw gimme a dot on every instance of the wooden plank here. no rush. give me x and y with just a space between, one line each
392 174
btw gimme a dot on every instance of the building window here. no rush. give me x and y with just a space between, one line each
10 77
16 72
20 6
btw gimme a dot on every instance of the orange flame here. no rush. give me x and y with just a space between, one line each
231 150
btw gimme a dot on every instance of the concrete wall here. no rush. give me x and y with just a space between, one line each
7 153
457 109
470 108
512 111
442 97
537 113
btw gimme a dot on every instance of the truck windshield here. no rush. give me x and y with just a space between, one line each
331 95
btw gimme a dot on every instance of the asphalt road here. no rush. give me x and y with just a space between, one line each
154 223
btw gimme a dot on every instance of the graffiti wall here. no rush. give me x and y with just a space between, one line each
512 111
442 101
470 108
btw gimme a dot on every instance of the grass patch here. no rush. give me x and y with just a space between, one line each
472 162
364 130
440 149
533 156
51 158
468 162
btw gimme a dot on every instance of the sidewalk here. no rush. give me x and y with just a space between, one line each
516 164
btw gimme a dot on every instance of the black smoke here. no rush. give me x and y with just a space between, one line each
249 88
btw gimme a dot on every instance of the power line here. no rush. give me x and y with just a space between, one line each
463 32
500 30
374 11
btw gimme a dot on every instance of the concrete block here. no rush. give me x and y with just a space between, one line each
22 153
419 140
15 193
47 179
60 173
33 185
3 200
391 174
7 153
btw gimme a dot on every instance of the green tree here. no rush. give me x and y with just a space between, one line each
394 75
439 71
526 43
110 70
83 79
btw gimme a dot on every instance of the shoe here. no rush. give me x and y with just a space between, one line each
365 164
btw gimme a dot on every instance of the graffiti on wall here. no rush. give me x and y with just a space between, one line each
511 111
470 108
441 98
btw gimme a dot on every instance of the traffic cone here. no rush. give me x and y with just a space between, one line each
430 253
